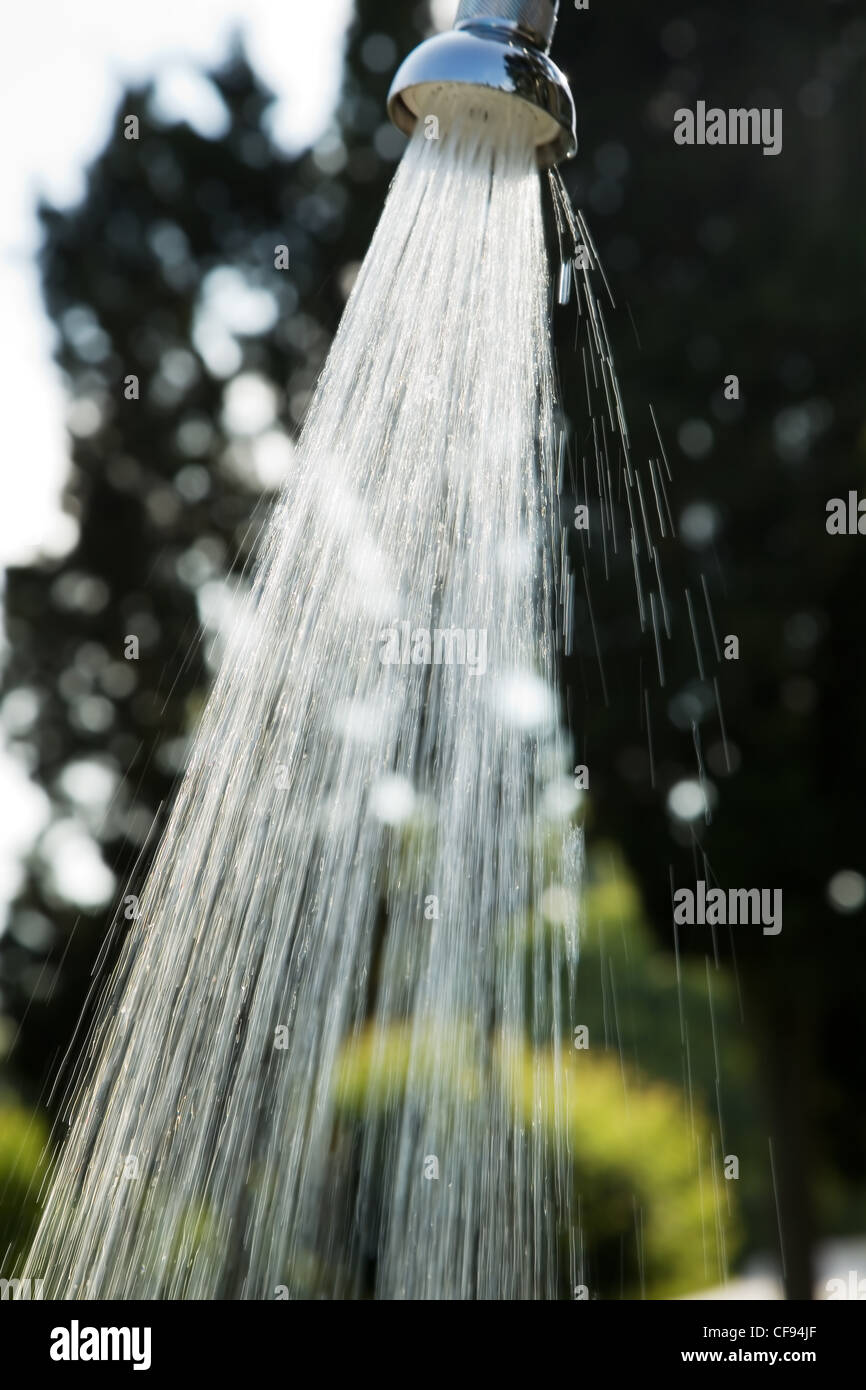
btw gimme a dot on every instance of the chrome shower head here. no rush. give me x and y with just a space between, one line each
497 45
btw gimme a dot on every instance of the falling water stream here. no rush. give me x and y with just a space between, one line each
331 1059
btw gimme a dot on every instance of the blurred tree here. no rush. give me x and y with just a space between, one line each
168 272
723 261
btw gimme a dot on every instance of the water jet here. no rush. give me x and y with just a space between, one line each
290 1037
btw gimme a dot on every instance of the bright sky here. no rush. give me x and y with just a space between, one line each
66 67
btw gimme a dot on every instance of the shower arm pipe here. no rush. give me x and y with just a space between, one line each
534 20
495 45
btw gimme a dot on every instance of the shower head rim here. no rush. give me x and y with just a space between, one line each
496 58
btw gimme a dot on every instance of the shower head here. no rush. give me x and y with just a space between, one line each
498 45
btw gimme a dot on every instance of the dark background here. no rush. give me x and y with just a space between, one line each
720 261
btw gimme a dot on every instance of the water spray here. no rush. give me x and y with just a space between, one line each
334 1059
495 45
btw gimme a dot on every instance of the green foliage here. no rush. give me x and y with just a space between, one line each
23 1137
651 1206
672 1020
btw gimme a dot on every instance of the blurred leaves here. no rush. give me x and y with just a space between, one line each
650 1200
23 1159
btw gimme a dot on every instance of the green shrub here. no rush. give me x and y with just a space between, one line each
653 1219
23 1137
